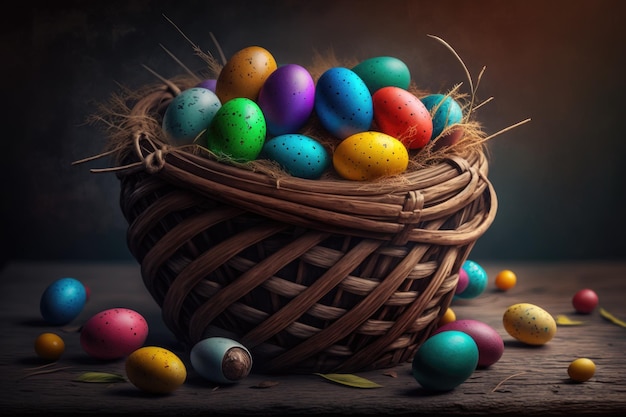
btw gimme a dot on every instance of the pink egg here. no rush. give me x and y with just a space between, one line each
489 342
463 281
287 99
400 114
113 333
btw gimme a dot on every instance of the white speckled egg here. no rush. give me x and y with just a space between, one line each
529 323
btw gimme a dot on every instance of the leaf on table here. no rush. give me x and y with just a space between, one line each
350 380
392 374
610 317
100 377
563 320
265 384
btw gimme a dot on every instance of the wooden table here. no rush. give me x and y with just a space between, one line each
526 380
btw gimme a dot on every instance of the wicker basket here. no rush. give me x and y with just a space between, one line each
311 275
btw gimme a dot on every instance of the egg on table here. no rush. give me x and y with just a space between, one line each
221 360
62 301
490 344
445 360
113 333
529 323
155 370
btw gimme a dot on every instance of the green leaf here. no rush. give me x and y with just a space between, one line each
610 317
350 380
100 377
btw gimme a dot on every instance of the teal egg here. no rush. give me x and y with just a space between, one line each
237 131
383 71
477 280
189 114
445 112
300 155
445 360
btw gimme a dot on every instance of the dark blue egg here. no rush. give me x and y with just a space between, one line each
343 102
62 301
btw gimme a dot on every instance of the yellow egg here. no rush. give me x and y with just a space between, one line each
155 370
529 323
244 74
370 155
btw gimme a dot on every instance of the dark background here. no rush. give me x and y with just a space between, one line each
560 179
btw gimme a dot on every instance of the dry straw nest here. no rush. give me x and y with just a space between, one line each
325 275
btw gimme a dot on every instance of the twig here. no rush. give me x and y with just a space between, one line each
506 379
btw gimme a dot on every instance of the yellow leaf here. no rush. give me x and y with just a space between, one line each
100 377
350 380
563 320
610 317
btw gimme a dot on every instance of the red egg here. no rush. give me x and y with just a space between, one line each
489 342
585 301
399 113
113 333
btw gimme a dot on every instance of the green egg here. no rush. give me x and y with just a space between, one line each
237 130
383 71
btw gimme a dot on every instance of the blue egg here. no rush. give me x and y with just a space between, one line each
189 114
477 280
343 102
62 301
300 155
448 112
445 360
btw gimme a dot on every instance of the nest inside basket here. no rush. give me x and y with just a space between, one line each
325 275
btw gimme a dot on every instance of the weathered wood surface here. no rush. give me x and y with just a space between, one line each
526 380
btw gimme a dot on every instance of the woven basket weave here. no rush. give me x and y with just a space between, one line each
311 275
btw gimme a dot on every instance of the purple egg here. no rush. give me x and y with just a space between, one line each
463 281
208 84
287 99
489 342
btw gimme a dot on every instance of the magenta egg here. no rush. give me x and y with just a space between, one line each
463 281
113 333
287 99
489 342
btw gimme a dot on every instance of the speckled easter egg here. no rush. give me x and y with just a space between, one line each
529 323
343 102
245 73
62 301
155 370
299 155
445 111
113 333
287 99
370 155
189 114
383 71
477 280
401 114
237 131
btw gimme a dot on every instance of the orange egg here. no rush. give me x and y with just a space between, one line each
244 74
